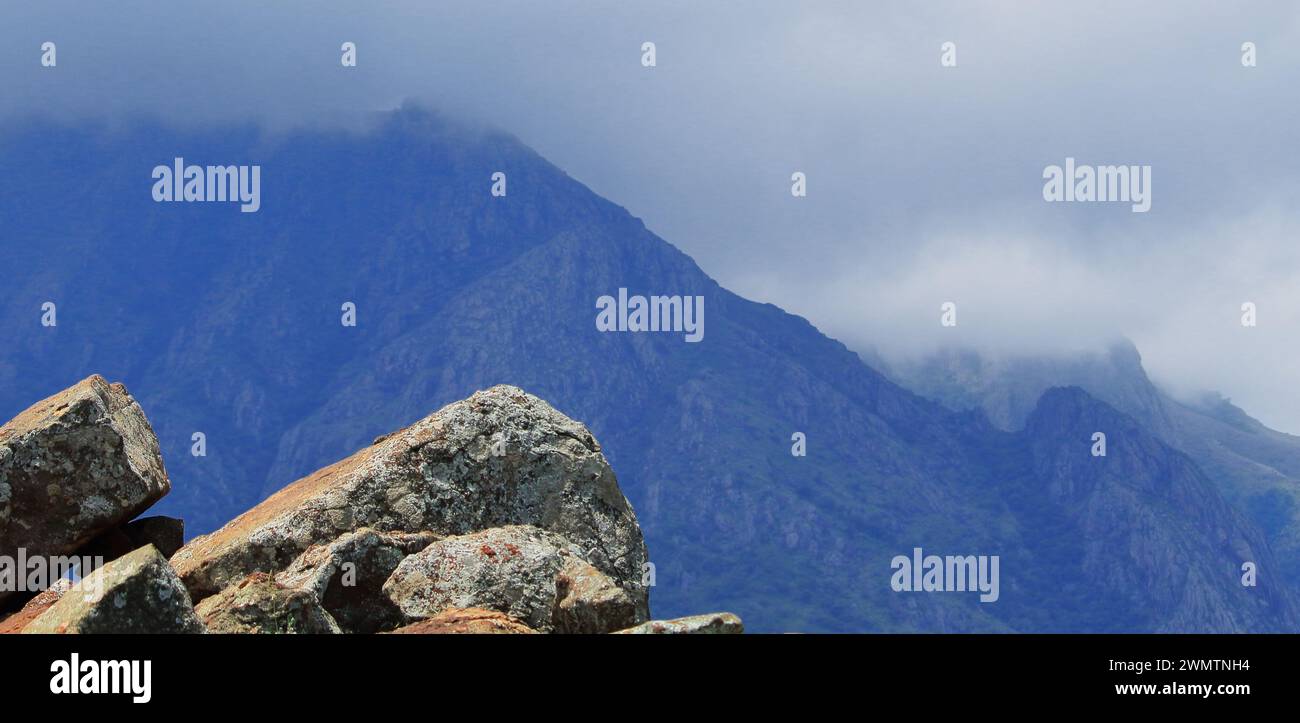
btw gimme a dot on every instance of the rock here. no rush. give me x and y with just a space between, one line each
136 593
468 620
711 624
165 533
109 545
34 607
443 474
73 466
531 574
257 604
348 575
589 602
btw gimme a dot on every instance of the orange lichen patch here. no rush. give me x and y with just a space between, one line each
202 553
51 407
292 497
467 621
287 499
29 612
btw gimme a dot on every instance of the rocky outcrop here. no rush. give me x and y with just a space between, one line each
348 575
257 604
496 514
501 457
470 620
532 575
73 466
137 593
712 624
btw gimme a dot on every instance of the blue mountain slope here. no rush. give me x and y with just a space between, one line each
228 324
1255 468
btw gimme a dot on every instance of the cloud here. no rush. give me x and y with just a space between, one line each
924 182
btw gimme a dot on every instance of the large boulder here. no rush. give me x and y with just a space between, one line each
709 624
501 457
257 604
528 573
348 575
136 593
475 621
73 466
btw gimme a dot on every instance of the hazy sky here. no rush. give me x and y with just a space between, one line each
924 182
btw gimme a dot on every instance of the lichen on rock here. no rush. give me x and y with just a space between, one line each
73 466
136 593
500 457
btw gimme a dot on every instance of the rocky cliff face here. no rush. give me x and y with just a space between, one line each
494 514
1153 531
1254 468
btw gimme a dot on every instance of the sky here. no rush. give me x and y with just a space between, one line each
924 182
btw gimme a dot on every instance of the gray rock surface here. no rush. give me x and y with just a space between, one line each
257 604
530 574
348 575
136 593
710 624
500 457
73 466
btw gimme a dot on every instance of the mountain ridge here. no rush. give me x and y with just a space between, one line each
228 323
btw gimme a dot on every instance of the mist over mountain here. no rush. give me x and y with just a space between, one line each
228 324
1255 468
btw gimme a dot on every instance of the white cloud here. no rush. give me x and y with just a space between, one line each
923 182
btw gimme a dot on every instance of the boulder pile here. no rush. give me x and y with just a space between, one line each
495 514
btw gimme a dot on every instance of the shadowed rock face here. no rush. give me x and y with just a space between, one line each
165 533
73 466
500 457
348 575
137 593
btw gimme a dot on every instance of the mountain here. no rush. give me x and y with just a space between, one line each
228 324
1257 469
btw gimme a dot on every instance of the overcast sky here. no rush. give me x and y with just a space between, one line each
924 182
